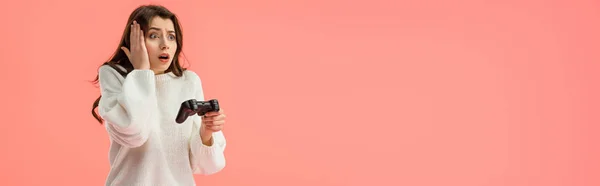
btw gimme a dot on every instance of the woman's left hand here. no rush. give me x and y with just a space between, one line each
211 122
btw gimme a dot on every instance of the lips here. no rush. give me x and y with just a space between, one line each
164 57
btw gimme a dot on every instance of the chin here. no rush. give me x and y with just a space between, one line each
160 66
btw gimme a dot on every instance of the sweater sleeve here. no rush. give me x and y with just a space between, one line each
127 105
205 159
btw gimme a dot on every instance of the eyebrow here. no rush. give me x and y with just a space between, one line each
154 28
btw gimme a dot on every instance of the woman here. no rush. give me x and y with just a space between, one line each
142 87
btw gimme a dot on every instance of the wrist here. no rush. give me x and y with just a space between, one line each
142 68
206 138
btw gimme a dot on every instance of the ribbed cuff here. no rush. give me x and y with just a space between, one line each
199 148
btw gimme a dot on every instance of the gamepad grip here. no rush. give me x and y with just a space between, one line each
190 107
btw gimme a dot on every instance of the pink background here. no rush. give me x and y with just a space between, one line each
348 93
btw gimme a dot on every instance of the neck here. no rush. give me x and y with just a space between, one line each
158 72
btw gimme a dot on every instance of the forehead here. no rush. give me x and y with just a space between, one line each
162 23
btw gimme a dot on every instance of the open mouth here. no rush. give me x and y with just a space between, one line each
164 57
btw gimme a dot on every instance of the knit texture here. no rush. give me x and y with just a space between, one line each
147 146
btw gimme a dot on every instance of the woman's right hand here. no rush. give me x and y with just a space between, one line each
138 56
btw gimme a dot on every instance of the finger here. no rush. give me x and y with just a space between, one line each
133 35
137 36
218 123
213 113
141 37
218 117
213 116
205 122
209 124
207 118
126 51
216 128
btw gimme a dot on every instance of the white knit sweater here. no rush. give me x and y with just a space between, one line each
147 146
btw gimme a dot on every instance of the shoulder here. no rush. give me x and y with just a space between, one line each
194 81
192 76
108 69
108 74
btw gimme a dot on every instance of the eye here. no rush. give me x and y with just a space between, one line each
171 37
153 36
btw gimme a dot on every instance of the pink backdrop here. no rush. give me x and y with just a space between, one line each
348 93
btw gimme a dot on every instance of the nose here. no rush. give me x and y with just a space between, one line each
164 46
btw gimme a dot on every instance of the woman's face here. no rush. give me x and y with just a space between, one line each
161 44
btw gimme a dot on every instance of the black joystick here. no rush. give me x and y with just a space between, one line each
190 107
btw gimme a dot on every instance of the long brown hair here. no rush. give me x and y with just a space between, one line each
143 15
